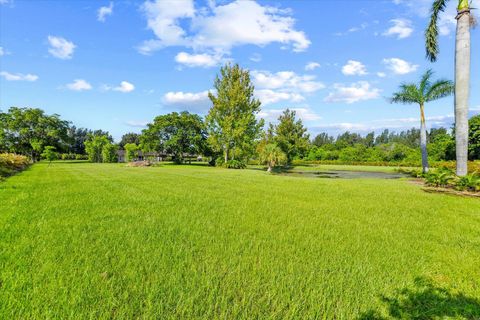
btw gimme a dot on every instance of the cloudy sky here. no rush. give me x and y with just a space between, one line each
115 65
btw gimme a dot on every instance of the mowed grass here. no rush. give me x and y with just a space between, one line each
101 241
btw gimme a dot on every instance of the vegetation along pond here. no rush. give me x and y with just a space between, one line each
343 174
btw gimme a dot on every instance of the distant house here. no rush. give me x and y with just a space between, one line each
153 156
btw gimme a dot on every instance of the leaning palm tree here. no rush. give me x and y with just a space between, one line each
462 72
420 94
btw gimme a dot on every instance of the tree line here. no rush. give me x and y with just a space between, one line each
231 134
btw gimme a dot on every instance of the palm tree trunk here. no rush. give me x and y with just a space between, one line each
462 86
423 140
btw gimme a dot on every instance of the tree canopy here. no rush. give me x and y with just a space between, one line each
290 135
175 133
27 131
232 121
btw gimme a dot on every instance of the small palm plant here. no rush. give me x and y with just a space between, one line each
420 94
272 155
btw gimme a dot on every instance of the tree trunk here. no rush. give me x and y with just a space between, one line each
226 154
269 168
462 88
423 140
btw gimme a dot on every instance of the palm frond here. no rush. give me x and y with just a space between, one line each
408 94
425 81
440 89
431 34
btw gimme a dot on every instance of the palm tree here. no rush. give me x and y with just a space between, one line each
272 155
462 72
420 94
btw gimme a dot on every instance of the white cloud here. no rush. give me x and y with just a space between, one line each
267 96
304 113
399 66
312 66
2 52
79 85
256 57
358 91
353 68
219 27
198 60
60 47
361 27
18 76
381 74
136 123
103 12
196 101
283 86
402 28
286 80
124 87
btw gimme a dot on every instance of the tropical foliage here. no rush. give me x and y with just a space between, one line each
427 90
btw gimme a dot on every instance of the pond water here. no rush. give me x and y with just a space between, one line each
340 174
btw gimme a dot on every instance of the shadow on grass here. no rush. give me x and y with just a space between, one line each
427 301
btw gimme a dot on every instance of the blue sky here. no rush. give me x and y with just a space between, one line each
115 65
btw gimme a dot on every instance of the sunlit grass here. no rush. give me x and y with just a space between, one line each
80 240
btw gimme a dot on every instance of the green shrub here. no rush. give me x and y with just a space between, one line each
470 182
442 177
81 157
234 164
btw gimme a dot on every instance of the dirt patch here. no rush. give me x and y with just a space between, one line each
139 164
452 192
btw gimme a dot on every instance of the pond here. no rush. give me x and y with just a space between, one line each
342 174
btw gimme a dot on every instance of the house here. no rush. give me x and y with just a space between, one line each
152 156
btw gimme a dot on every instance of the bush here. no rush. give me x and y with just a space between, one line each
442 177
81 157
11 163
234 164
470 182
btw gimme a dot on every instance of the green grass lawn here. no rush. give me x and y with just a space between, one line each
99 241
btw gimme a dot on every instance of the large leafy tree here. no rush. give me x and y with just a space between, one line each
76 139
95 145
290 135
425 91
232 124
129 137
322 139
462 71
27 131
175 133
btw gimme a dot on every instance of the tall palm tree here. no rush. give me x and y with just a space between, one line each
462 72
420 94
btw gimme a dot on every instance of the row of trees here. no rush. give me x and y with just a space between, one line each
30 131
393 146
232 133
